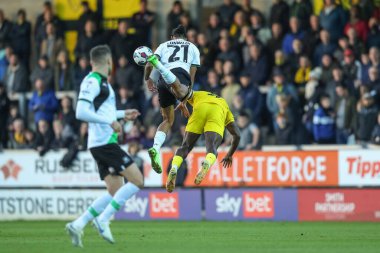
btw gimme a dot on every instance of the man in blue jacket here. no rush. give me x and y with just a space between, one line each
324 122
43 103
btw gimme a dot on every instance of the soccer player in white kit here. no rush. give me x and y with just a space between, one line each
97 106
181 59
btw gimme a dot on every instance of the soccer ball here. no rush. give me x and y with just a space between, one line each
141 55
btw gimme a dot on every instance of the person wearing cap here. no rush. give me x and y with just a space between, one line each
280 87
345 111
351 68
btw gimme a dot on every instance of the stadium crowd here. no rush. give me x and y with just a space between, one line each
320 73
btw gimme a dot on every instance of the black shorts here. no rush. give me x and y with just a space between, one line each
165 96
111 159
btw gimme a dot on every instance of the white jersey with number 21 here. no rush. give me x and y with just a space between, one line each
178 53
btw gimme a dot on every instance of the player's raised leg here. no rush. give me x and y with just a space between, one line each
213 141
126 191
181 154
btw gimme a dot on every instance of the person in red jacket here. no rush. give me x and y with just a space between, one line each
357 23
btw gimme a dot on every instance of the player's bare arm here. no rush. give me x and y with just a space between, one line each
233 129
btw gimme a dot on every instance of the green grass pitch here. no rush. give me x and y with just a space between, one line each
196 237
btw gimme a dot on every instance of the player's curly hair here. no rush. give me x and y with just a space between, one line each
179 32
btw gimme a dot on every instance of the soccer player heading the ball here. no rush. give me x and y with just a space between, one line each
177 61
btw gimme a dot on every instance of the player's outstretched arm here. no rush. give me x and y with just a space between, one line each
129 114
235 132
149 82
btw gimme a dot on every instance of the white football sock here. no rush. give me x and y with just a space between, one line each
121 196
159 140
166 74
93 211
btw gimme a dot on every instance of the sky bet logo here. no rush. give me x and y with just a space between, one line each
255 204
163 205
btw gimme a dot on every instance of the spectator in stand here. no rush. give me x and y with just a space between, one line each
81 69
237 105
375 136
88 14
356 22
63 72
351 67
342 46
295 33
251 98
323 122
228 54
148 140
275 42
207 53
281 63
249 132
4 112
258 66
259 30
67 116
185 21
125 99
143 21
90 38
44 138
280 87
51 44
16 78
4 61
337 79
153 115
285 124
294 57
174 15
191 36
301 76
20 38
83 136
122 43
333 19
239 20
5 30
43 102
58 140
43 71
279 13
13 115
327 68
367 112
48 12
345 111
302 9
365 65
17 137
311 39
246 6
213 29
313 89
213 85
130 76
231 88
355 43
244 42
40 30
374 57
227 12
373 38
374 79
324 47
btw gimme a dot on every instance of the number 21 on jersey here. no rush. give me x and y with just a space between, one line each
177 54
